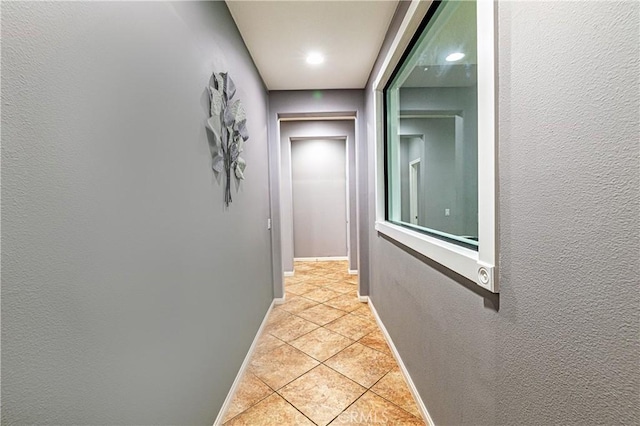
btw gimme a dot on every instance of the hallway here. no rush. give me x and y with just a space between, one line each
491 213
321 359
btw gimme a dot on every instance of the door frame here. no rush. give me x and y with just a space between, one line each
282 258
413 190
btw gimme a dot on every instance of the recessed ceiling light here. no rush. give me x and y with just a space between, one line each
426 68
454 57
315 58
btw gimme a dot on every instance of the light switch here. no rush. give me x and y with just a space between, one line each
447 212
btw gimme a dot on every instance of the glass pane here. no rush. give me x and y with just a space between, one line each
432 137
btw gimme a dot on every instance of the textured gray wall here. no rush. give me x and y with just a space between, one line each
125 293
299 103
314 129
560 344
319 177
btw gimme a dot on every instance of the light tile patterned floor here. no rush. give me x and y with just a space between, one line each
322 360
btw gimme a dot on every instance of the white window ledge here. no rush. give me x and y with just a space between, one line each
460 259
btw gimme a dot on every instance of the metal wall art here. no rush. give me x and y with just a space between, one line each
228 124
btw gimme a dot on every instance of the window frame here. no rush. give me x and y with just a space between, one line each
478 266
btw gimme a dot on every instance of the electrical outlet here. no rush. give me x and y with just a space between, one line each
447 212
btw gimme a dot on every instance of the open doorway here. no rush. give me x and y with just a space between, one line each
339 132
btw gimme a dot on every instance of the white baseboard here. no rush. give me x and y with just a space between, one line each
289 273
353 272
320 259
279 300
243 367
412 387
363 299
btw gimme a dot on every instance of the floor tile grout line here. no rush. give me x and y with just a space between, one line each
367 388
284 342
304 334
370 389
345 294
344 334
310 356
293 380
297 409
291 403
348 378
347 407
323 304
282 306
299 294
378 350
393 403
252 405
297 377
344 375
317 303
325 287
353 342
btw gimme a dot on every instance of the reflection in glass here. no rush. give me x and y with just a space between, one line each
432 137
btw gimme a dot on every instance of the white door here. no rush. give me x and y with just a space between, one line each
319 183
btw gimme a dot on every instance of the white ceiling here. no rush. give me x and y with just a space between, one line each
280 34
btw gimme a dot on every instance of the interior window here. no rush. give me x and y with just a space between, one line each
431 115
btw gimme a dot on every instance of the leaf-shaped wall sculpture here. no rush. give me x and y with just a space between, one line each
229 86
228 124
242 130
216 102
240 165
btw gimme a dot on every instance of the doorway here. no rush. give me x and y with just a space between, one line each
291 132
320 204
414 178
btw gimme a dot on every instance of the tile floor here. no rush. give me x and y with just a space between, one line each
322 359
